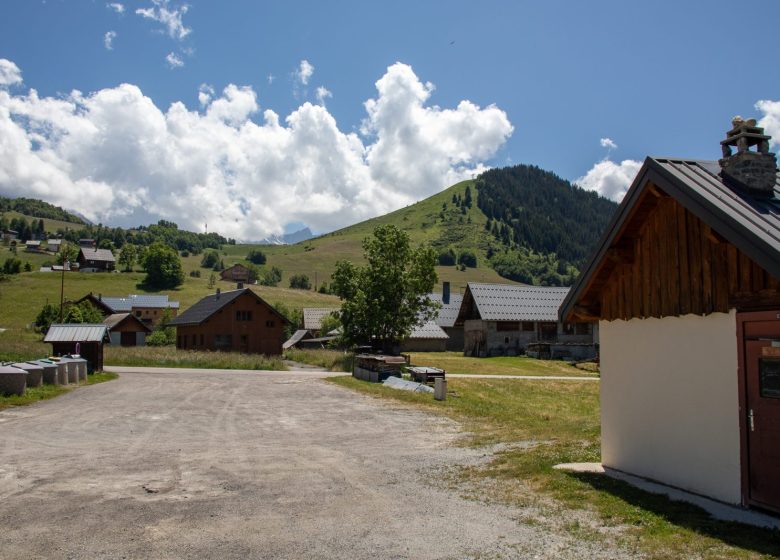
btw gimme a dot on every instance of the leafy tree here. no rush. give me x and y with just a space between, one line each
106 243
329 323
447 257
210 259
128 256
163 267
256 256
220 266
48 314
271 277
468 258
67 253
385 299
212 280
12 265
300 282
84 312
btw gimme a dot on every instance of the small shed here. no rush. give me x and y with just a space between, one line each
32 245
53 245
125 329
685 284
84 339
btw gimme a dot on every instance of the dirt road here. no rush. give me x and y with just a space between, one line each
238 465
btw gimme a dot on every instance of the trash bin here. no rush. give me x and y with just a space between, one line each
34 373
72 369
49 371
81 365
13 381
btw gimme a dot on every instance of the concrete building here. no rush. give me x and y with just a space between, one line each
685 285
503 319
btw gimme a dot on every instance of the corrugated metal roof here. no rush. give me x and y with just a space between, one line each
125 304
429 330
312 316
295 338
506 302
448 312
104 255
76 333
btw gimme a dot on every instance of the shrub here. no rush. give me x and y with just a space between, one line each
468 258
271 277
447 258
300 282
256 256
162 337
210 259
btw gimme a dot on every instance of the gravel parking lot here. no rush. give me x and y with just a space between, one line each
197 464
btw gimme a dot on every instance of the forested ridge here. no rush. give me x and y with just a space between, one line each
37 208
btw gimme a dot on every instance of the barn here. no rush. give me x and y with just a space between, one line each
685 285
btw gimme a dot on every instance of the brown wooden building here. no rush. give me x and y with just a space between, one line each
686 288
96 260
125 329
86 340
234 321
235 273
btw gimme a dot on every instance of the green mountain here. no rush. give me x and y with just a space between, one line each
38 209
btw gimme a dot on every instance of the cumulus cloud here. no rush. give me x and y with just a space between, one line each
170 17
304 72
174 60
770 121
116 6
244 170
108 40
608 143
9 73
322 94
610 179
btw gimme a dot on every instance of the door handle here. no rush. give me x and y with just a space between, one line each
751 421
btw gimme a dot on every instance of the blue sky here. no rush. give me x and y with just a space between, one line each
660 78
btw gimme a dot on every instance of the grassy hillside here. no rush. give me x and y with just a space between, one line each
51 225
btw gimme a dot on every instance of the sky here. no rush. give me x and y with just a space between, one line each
255 118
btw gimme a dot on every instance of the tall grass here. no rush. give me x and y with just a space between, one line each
20 346
170 356
332 360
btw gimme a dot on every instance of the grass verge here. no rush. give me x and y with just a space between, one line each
170 356
45 392
558 421
456 362
332 360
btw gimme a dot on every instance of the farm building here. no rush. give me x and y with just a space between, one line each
428 337
503 319
32 245
96 260
448 315
84 339
297 338
235 273
312 318
685 285
125 329
148 309
234 321
53 245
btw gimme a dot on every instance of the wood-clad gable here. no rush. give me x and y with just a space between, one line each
666 261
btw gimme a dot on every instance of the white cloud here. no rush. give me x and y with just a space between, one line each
245 171
322 94
108 40
770 121
610 179
271 79
169 17
304 72
9 73
116 6
608 143
174 60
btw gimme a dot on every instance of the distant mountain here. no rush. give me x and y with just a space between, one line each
288 238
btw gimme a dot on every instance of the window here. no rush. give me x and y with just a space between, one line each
269 324
508 326
243 315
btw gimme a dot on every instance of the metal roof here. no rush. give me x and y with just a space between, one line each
429 330
97 254
116 319
448 312
751 224
76 333
125 304
295 338
212 303
507 302
312 316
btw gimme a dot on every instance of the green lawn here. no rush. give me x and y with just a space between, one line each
170 356
456 362
561 420
44 392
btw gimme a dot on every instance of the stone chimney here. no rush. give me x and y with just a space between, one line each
751 172
445 293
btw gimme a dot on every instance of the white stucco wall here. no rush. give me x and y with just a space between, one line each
669 401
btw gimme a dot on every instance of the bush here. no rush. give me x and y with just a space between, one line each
210 258
12 266
447 258
256 256
271 277
468 258
162 337
300 282
195 273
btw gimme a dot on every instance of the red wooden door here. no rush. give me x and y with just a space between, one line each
762 384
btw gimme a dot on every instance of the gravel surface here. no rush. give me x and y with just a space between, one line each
235 465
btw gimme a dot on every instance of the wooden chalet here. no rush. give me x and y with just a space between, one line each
96 260
236 273
125 329
234 321
685 285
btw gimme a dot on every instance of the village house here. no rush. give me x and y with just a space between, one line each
236 273
685 285
96 260
149 309
234 321
53 245
125 329
503 319
32 246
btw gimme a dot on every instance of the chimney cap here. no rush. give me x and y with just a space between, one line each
747 171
